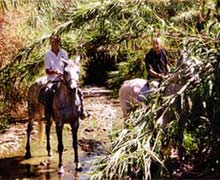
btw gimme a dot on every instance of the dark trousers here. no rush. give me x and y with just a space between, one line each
49 95
80 94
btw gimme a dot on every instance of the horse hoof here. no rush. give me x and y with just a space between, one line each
78 167
61 170
27 155
50 154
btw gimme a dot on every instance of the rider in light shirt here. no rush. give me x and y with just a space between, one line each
53 63
54 67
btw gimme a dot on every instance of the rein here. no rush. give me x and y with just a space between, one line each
63 108
62 81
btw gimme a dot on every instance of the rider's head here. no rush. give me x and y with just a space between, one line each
156 44
55 41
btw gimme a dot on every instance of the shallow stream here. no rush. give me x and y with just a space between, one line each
94 131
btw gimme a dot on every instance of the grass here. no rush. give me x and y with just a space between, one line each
3 124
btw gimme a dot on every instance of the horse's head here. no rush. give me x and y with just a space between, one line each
71 73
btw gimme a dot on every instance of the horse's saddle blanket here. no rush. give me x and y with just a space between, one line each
42 96
143 92
46 92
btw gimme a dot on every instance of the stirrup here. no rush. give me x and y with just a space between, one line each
82 115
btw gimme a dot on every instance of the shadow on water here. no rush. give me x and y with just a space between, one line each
41 167
13 168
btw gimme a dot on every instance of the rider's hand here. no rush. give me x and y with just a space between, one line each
163 76
58 72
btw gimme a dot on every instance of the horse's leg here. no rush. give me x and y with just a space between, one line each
48 127
75 126
29 129
124 112
48 113
59 131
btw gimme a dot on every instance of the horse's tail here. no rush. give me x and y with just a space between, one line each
40 131
35 109
123 99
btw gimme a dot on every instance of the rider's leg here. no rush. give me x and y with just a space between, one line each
50 91
48 104
80 94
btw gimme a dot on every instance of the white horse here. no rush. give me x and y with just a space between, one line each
133 92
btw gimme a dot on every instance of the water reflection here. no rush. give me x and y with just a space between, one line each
14 168
41 167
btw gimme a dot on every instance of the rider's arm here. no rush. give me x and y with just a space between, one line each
51 71
155 74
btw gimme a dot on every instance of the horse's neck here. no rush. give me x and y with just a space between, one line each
63 93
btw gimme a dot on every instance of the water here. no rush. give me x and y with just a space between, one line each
93 134
15 168
42 167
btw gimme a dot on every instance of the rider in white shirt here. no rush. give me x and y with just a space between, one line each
54 67
53 63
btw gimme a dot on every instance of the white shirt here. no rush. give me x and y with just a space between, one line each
53 61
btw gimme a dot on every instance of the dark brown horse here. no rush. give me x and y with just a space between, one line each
65 109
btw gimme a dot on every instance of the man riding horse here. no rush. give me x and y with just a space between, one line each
54 68
135 90
156 62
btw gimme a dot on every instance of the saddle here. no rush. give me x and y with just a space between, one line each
46 93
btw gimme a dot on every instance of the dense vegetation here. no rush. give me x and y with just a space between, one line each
113 36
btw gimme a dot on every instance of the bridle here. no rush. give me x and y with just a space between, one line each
68 84
68 77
